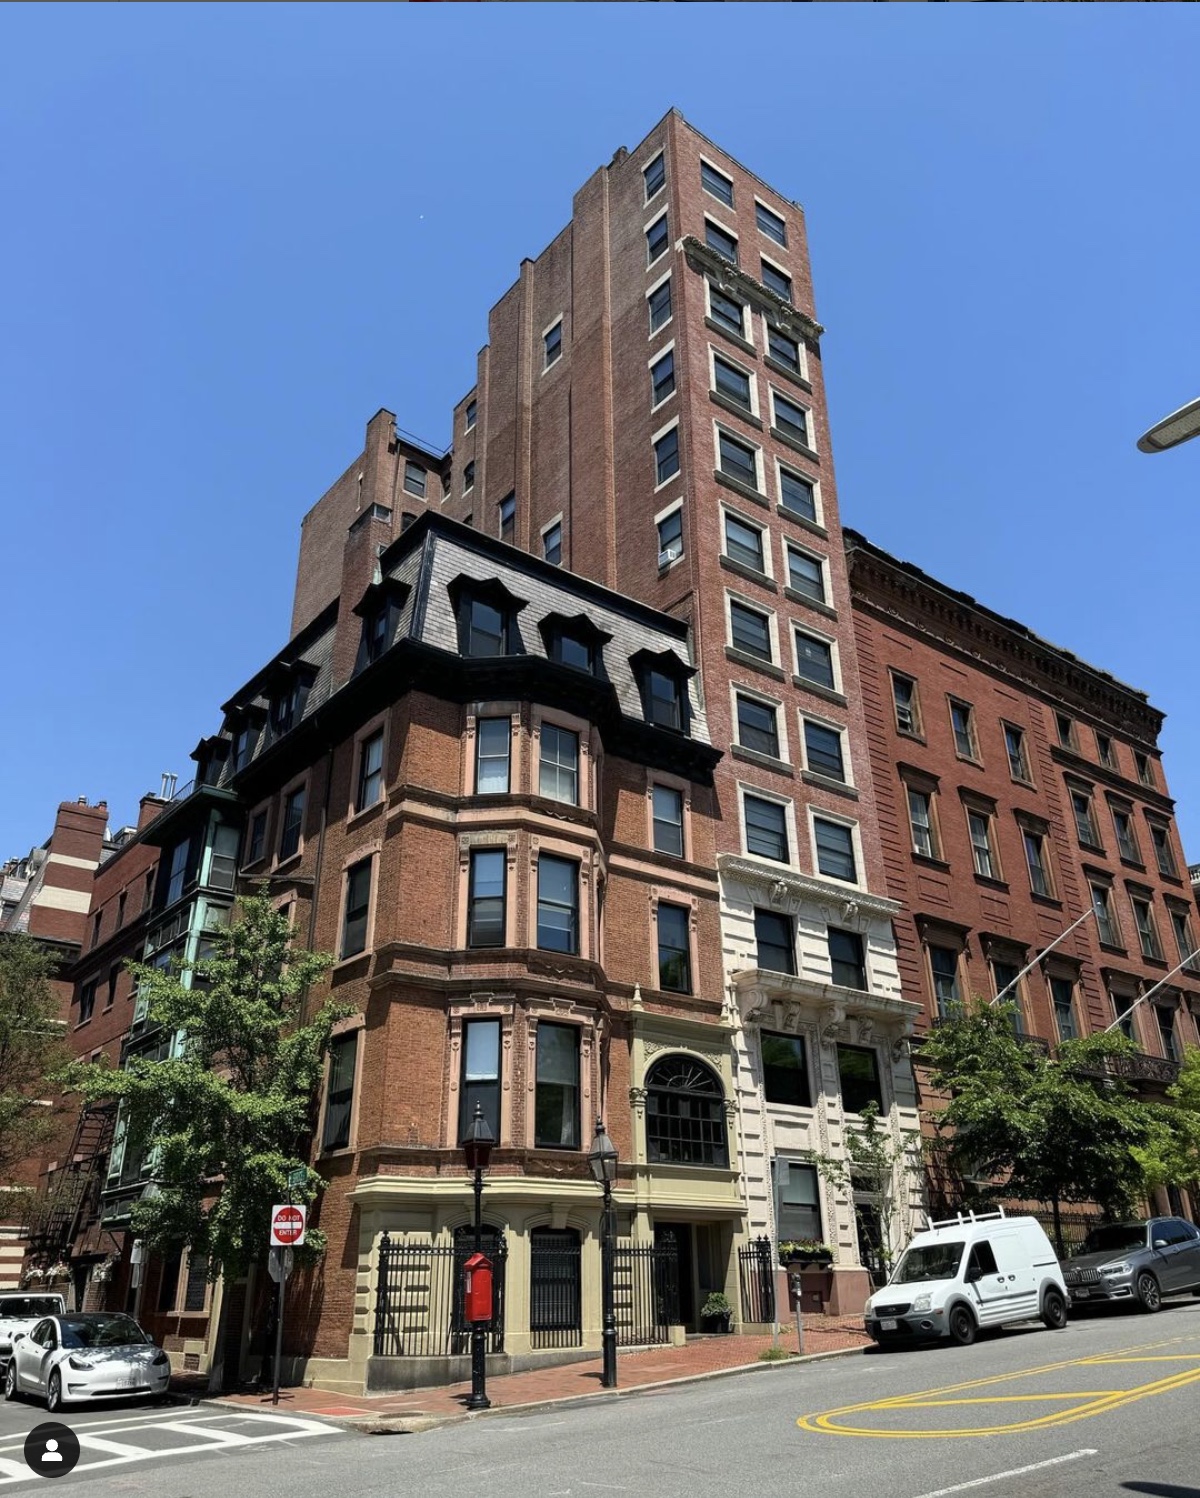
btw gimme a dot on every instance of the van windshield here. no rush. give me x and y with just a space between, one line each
936 1261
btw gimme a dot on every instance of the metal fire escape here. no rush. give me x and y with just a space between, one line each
73 1197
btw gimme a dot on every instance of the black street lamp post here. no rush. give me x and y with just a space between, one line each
477 1151
602 1160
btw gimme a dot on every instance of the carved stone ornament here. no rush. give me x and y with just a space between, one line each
831 1024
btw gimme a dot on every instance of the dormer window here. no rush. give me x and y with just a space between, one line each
243 746
379 608
487 618
574 642
487 628
287 707
663 681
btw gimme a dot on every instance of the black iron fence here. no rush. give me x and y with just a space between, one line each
555 1288
419 1296
756 1264
645 1291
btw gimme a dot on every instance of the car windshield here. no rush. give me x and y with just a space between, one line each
1116 1239
101 1331
30 1307
937 1261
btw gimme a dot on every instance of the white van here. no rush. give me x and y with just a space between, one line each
968 1272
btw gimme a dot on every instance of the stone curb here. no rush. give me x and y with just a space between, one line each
414 1424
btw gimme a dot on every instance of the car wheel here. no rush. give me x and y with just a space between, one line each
1054 1311
962 1326
54 1394
10 1380
1148 1294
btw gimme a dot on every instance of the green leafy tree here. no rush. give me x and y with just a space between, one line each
226 1116
1172 1157
1039 1128
878 1168
33 1046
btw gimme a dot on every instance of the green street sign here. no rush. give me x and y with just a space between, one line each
296 1178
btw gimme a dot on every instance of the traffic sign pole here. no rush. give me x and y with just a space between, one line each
288 1224
278 1334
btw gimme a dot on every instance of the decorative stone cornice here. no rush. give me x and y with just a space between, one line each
731 278
785 1002
783 886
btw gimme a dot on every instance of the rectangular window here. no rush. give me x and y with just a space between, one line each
776 949
1062 994
377 626
766 828
979 825
790 419
339 1091
667 814
835 850
468 477
920 821
87 1001
662 378
823 750
744 543
1066 730
658 237
1160 837
1004 978
666 456
508 517
784 350
655 176
414 478
1145 772
846 959
670 537
1143 919
1123 1013
674 961
798 1206
716 184
943 964
776 280
1126 840
492 748
797 495
770 223
558 904
1166 1031
1182 928
552 344
243 743
358 904
733 383
487 632
480 1075
293 822
858 1071
1035 857
726 312
749 631
806 574
785 1070
962 721
757 728
1106 928
738 461
470 415
256 841
659 302
1014 743
1104 750
556 1100
719 239
195 1287
176 877
486 913
552 543
370 771
558 770
1085 826
904 700
664 700
814 660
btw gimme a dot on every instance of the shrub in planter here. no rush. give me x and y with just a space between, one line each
806 1251
716 1313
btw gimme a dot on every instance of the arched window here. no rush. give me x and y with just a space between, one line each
685 1113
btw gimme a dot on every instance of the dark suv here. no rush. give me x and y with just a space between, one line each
1135 1261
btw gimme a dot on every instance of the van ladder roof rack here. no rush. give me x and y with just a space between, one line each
961 1219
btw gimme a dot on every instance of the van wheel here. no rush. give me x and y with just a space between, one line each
1148 1294
1054 1311
962 1326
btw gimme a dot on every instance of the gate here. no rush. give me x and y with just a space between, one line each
646 1291
555 1299
419 1296
756 1265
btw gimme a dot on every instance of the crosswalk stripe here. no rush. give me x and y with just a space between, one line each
13 1469
113 1448
223 1437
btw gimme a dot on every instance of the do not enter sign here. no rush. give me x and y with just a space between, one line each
287 1225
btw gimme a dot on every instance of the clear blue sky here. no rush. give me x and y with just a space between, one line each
232 232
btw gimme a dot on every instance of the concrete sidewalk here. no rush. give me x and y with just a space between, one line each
420 1409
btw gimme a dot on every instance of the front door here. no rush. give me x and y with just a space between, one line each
679 1234
870 1242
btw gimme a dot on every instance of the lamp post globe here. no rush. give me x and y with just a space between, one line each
602 1161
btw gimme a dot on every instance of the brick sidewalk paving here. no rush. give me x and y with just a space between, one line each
635 1369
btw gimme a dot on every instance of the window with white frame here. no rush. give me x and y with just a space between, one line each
658 302
744 543
834 843
921 823
552 344
667 817
658 238
654 176
814 660
1106 925
736 459
757 725
770 223
666 456
797 494
558 771
716 184
552 543
670 536
717 237
727 312
750 630
806 573
662 378
791 419
943 969
493 737
766 827
979 826
823 750
732 382
775 280
370 771
784 350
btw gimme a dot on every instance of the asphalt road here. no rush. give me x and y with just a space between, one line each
1106 1407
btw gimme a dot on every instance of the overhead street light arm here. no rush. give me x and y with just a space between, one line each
1179 427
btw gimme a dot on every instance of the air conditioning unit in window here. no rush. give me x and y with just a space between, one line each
670 554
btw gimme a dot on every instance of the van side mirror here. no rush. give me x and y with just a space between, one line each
974 1273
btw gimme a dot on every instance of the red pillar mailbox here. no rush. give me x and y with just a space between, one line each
477 1288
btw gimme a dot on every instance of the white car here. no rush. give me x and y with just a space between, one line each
21 1311
86 1355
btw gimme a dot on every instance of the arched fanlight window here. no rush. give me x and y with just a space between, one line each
685 1113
